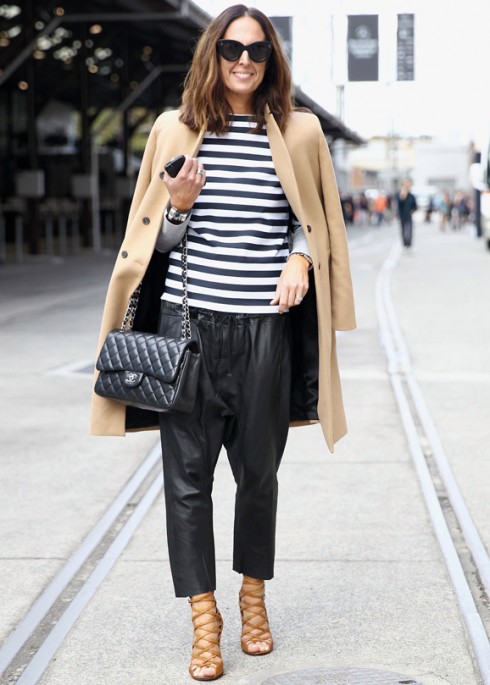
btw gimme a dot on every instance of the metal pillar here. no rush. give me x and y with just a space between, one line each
33 223
86 214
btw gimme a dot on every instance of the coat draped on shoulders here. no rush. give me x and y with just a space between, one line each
304 167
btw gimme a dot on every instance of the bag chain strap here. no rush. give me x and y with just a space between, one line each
128 321
186 316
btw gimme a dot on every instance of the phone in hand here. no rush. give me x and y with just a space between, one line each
173 167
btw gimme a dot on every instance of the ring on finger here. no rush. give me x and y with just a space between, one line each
200 172
298 298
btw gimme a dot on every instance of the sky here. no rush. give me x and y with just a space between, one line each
450 96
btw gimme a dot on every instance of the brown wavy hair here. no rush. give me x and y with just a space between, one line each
204 103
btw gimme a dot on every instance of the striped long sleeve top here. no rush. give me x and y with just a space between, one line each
241 228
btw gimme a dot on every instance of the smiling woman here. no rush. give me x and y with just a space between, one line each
253 219
222 78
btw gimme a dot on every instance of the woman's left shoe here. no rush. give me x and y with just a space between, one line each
256 635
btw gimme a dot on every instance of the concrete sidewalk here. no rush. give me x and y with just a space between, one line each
360 580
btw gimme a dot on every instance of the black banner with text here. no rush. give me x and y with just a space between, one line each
405 48
363 47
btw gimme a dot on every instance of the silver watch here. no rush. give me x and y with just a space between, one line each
175 216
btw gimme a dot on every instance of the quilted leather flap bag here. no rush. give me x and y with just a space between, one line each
143 354
150 371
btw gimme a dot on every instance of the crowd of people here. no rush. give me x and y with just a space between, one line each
452 210
364 210
455 210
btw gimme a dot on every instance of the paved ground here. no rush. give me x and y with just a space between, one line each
360 580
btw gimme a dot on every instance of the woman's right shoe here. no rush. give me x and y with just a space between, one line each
206 662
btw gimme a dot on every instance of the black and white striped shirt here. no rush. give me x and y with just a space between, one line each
238 232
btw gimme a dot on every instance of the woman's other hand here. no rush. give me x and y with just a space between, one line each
184 189
293 283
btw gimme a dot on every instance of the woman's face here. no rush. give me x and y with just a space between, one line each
242 77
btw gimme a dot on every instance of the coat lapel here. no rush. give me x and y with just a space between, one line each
284 166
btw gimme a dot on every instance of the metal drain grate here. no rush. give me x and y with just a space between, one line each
341 676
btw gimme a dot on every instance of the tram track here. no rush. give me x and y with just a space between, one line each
466 558
28 650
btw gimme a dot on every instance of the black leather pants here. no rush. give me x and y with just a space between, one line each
243 405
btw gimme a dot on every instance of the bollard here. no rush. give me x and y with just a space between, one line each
19 239
49 235
62 235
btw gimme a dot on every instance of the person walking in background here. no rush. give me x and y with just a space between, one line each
363 210
461 211
407 205
347 204
445 207
429 210
380 206
268 284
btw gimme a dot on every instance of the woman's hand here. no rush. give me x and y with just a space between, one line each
184 189
293 283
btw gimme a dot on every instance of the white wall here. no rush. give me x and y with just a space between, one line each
444 165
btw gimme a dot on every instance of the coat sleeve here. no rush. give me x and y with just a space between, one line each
342 298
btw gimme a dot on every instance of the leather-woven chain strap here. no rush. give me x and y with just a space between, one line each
128 320
186 316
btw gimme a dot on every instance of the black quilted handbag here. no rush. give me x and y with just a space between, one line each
147 370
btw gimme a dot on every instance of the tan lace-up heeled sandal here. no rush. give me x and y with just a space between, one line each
208 626
255 624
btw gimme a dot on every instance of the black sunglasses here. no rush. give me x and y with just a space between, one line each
231 50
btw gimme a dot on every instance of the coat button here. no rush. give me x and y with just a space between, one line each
146 220
124 254
308 228
161 174
319 265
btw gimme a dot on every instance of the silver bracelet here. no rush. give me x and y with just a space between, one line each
176 216
302 254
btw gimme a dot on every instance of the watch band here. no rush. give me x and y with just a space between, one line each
175 216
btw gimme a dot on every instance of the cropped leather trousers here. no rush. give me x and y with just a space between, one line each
242 404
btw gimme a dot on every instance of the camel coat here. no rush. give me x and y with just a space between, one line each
303 165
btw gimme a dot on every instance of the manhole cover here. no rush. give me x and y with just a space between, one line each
341 676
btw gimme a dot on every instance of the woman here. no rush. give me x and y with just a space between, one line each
269 282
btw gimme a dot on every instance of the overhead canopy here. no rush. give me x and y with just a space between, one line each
332 127
117 42
95 54
81 81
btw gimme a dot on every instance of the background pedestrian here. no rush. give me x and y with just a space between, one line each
407 205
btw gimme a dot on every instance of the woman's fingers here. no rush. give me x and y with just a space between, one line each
292 286
192 171
186 186
288 297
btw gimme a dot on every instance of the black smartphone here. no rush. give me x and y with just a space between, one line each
175 165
